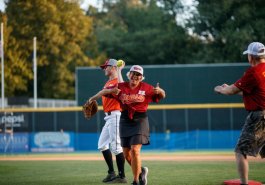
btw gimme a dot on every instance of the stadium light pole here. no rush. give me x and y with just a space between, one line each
35 70
2 66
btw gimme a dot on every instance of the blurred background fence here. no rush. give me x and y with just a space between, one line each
213 126
191 116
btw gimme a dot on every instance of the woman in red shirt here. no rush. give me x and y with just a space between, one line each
135 96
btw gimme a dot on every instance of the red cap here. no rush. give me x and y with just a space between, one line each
109 62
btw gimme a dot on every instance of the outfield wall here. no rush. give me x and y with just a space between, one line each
194 127
162 118
192 115
69 142
183 83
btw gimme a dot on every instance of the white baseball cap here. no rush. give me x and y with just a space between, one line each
255 48
138 69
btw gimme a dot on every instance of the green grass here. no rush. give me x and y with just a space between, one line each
92 172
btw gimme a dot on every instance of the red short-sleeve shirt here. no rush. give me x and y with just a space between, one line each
137 99
252 83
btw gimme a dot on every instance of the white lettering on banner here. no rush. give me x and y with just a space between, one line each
13 119
52 149
52 139
20 139
13 125
15 139
17 142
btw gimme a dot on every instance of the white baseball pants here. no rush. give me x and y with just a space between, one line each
110 135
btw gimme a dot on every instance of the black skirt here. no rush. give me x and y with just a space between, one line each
139 125
127 142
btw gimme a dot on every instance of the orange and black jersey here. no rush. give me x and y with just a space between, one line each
109 102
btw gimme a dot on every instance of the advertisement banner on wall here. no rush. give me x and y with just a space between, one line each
14 142
13 120
52 142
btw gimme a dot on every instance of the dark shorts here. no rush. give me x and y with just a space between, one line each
252 138
127 142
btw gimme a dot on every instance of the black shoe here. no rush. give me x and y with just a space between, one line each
109 177
118 180
143 176
134 183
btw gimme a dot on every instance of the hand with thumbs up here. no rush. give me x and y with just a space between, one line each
159 91
157 88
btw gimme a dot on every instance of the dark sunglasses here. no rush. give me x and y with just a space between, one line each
136 73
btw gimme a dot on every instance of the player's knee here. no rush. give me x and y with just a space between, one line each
116 151
135 152
240 155
103 148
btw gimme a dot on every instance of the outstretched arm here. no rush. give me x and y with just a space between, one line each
227 89
120 79
119 69
104 92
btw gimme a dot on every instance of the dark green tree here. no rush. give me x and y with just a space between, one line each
17 71
140 32
226 27
64 38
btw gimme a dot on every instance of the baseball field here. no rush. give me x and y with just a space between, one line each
172 168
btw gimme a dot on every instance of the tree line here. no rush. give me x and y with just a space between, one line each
137 31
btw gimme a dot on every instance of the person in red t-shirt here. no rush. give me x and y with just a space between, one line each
135 96
252 86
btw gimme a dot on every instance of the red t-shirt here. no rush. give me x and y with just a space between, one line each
137 99
252 83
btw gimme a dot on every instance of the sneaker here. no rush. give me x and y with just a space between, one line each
134 183
143 176
109 177
118 180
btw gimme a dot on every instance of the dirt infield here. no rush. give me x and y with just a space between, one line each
145 157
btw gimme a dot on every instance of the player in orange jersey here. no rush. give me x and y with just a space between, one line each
109 141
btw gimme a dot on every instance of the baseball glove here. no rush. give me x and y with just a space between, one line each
90 109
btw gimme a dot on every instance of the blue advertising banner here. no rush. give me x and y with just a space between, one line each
14 142
192 140
52 142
